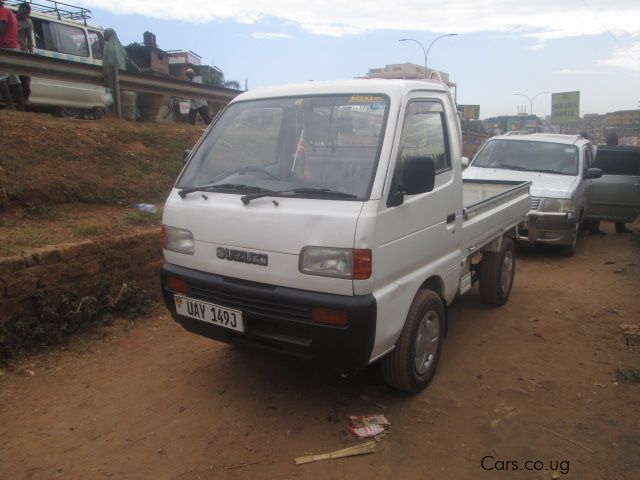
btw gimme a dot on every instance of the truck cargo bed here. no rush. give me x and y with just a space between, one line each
491 207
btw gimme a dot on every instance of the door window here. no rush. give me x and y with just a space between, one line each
96 44
588 160
423 135
618 162
58 37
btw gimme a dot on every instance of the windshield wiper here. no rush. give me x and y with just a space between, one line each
551 171
511 167
298 191
225 187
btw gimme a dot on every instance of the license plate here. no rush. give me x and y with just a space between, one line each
210 313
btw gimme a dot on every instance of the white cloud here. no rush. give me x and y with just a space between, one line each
542 19
626 58
270 35
573 71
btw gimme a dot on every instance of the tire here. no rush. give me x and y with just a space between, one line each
68 112
411 366
570 250
496 274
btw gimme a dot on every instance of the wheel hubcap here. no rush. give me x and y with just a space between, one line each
427 339
506 272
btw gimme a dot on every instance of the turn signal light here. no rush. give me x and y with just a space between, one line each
330 317
177 285
362 264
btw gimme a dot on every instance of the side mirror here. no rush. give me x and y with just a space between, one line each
465 162
185 155
593 173
419 175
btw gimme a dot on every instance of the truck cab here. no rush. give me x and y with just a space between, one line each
329 221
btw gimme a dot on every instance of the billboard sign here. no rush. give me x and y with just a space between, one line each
565 108
470 112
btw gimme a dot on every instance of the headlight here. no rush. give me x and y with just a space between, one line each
336 262
559 205
177 240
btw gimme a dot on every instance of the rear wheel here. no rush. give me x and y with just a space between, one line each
411 366
68 112
496 274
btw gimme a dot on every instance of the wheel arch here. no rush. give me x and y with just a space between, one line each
436 284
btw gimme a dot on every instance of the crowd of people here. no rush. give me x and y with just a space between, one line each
16 33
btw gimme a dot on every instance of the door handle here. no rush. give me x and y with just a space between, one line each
451 218
636 184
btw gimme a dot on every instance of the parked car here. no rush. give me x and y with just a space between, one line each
616 196
61 31
560 169
329 221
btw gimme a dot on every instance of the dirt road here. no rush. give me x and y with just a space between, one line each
529 382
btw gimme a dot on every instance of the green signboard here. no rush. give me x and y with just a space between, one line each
565 108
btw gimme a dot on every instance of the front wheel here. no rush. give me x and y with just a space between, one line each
570 250
496 274
411 366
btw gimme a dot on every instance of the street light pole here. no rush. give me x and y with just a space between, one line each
426 56
423 51
531 100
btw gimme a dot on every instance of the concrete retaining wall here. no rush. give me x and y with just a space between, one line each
78 267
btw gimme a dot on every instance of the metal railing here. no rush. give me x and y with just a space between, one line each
53 68
57 9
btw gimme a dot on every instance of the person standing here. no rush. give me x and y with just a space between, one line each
198 105
9 83
25 40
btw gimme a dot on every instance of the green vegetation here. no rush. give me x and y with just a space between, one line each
143 218
105 162
56 317
627 375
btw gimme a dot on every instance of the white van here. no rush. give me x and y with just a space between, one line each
60 31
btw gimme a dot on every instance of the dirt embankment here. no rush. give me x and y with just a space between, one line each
532 390
63 180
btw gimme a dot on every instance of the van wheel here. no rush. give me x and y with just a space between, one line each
68 112
570 250
411 366
496 274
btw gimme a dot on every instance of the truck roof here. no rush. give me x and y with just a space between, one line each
392 88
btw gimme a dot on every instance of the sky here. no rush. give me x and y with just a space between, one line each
502 47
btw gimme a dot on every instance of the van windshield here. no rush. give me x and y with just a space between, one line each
531 156
329 143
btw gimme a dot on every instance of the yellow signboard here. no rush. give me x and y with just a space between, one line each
470 112
565 108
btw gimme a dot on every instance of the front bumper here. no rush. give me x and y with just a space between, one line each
279 318
548 227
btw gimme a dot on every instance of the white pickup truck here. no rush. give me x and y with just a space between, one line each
329 221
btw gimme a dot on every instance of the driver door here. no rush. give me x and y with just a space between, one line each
616 195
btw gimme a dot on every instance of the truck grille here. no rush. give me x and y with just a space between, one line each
253 306
535 202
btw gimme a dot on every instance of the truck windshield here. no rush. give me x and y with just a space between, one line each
531 156
311 142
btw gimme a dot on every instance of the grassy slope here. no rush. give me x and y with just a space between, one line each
46 161
67 180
